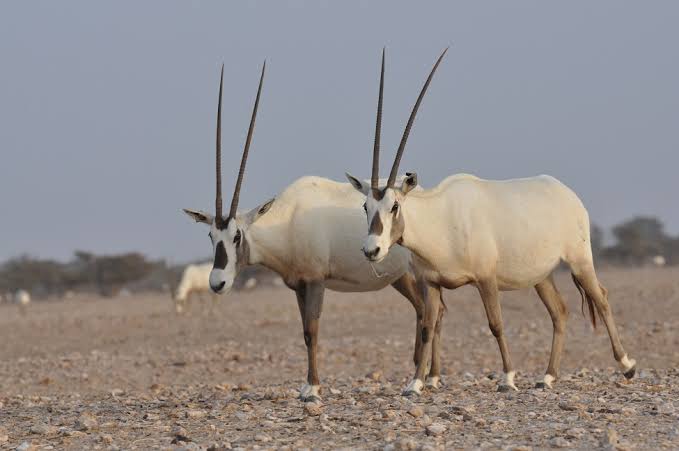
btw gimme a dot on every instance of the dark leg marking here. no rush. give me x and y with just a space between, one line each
425 335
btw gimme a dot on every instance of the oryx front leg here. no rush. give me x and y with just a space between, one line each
432 303
407 286
310 302
434 378
558 311
491 302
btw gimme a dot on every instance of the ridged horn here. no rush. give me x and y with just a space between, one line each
244 158
374 180
218 198
411 119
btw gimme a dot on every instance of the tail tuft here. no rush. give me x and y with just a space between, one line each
585 297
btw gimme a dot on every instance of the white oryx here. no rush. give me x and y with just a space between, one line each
22 298
195 281
309 235
496 235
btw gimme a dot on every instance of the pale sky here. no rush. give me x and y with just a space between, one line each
107 109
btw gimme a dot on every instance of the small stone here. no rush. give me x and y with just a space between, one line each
334 391
195 414
313 408
575 433
262 438
106 439
520 448
563 405
117 392
559 442
179 439
416 411
666 408
388 414
86 422
25 446
436 429
375 375
40 429
4 438
407 444
75 434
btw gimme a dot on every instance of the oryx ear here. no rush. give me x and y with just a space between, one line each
358 184
409 182
257 212
200 216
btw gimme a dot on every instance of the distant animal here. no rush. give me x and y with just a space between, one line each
250 284
659 261
22 298
195 281
496 235
307 235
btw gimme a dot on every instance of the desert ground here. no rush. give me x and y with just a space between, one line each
129 373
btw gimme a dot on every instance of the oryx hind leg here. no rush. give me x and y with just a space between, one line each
431 294
310 303
491 302
594 293
558 311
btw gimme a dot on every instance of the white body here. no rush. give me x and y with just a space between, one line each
195 280
659 261
22 298
313 232
516 229
497 235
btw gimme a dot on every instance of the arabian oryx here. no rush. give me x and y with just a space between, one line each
496 235
195 281
309 236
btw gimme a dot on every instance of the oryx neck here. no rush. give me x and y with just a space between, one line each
267 246
420 213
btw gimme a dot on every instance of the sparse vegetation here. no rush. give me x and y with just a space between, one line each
637 242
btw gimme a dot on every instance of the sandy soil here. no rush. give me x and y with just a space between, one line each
130 374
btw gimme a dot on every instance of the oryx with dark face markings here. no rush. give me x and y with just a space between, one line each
496 235
309 235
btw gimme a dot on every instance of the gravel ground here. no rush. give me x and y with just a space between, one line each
130 374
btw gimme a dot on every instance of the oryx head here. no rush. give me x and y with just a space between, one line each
383 206
227 233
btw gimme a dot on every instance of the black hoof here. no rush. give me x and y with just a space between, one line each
504 388
410 394
310 399
541 385
629 374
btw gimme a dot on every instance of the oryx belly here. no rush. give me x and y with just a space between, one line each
314 232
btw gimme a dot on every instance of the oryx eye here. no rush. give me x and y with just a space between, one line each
394 209
365 207
236 239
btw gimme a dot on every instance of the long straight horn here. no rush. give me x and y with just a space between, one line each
411 119
218 199
378 130
244 159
